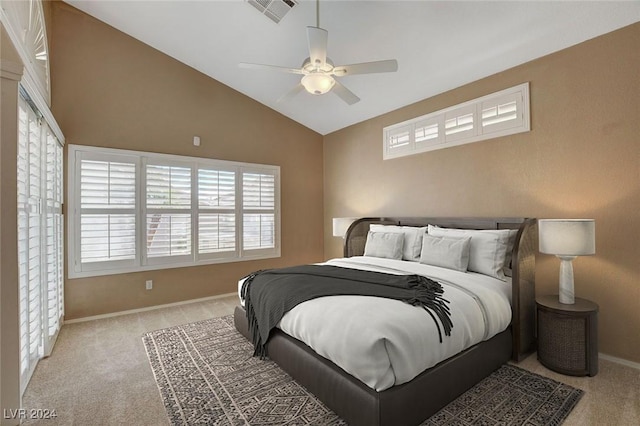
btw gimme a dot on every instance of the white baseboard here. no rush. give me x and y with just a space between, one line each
148 308
622 361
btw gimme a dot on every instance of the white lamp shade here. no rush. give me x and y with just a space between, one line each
317 83
567 237
341 225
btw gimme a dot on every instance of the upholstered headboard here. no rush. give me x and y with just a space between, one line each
522 264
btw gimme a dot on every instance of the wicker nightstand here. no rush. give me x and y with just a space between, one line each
567 336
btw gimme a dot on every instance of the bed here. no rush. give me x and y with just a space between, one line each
412 402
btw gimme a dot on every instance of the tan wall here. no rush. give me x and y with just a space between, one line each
110 90
581 159
10 73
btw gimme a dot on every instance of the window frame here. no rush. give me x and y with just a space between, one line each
479 132
75 268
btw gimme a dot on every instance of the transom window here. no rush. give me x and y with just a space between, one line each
498 114
132 211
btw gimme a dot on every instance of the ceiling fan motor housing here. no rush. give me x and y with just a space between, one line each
327 67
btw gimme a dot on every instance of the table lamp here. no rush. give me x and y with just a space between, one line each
341 225
567 238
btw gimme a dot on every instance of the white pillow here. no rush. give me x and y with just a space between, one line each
446 252
488 249
384 244
412 238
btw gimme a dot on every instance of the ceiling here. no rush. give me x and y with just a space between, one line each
439 45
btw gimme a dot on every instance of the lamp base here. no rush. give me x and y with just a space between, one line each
566 280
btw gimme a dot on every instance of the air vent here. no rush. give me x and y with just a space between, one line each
273 9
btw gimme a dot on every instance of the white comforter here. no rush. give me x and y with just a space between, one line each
385 342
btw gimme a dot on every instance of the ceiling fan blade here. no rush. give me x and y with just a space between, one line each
345 94
390 65
291 93
317 45
270 68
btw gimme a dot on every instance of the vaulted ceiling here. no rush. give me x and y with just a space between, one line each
439 45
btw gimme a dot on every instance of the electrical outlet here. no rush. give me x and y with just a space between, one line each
149 284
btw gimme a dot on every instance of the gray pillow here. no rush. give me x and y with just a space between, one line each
488 247
384 244
451 253
412 238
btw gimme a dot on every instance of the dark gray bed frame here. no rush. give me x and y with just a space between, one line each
417 400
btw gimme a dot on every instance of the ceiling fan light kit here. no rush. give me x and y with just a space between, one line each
318 83
318 70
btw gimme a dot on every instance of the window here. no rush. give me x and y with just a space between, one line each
39 194
459 124
498 114
502 113
107 211
258 201
168 212
132 211
216 216
40 236
24 22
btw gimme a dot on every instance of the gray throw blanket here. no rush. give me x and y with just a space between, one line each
269 294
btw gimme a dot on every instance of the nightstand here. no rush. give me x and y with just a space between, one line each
567 335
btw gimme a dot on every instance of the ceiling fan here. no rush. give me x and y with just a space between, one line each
318 70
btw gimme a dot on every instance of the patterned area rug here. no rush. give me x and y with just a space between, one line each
206 375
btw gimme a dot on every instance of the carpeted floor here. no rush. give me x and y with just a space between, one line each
206 375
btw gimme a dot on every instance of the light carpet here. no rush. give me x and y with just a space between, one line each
206 375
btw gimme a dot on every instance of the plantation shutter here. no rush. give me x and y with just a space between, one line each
497 114
40 237
133 211
54 242
428 132
29 244
216 213
459 123
168 212
502 113
398 140
259 210
107 212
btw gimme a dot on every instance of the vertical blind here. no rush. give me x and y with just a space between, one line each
142 211
40 238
